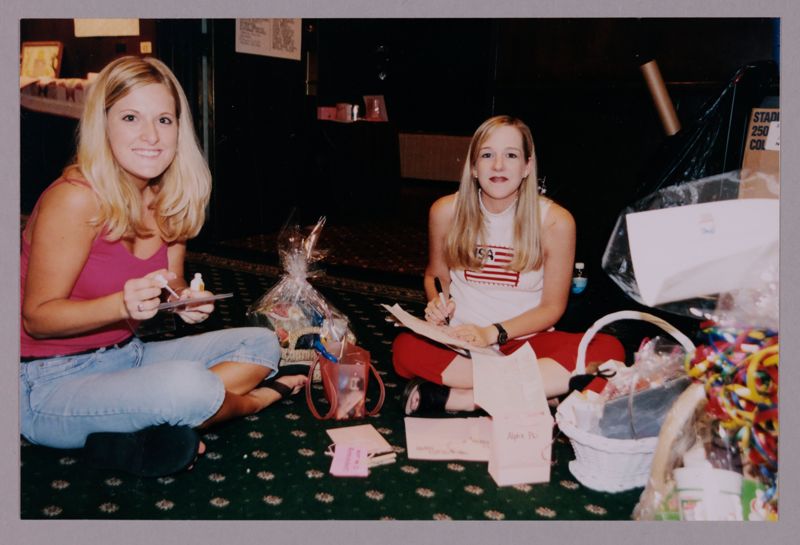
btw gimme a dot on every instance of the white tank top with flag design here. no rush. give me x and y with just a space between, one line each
495 293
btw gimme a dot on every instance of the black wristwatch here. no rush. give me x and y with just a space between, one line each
502 334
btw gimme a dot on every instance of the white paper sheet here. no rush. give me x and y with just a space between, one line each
448 438
439 334
702 249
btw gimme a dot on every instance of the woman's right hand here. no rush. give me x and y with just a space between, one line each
438 313
141 296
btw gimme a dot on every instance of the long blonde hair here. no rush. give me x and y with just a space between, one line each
468 229
182 190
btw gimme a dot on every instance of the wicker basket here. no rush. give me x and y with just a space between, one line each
602 463
292 355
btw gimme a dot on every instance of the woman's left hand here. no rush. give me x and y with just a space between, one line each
475 335
194 314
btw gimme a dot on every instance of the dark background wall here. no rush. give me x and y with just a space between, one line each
576 82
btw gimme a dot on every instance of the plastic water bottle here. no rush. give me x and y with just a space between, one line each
579 281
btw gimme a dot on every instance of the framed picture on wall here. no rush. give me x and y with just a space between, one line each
375 108
40 59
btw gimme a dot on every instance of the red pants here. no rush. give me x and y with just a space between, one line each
417 356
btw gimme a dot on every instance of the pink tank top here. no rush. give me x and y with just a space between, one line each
107 268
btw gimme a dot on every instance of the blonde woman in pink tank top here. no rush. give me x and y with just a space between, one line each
96 250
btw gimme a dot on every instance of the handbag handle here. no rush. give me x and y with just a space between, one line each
310 402
580 364
334 401
379 404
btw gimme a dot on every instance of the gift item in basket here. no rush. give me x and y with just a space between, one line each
637 398
344 382
642 416
739 369
603 463
298 314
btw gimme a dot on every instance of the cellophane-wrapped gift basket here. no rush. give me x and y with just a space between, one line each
300 316
715 456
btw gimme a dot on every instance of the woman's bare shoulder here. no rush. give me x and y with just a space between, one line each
558 218
74 196
444 208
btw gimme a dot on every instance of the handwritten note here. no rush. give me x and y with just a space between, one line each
521 448
448 438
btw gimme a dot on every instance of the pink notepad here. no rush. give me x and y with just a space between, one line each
349 461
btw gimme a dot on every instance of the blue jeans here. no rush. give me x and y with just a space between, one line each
64 399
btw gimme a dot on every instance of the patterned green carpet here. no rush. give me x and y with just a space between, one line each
272 465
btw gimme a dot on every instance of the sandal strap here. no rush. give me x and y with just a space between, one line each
283 390
432 397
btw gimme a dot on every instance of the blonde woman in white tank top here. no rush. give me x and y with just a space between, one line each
503 253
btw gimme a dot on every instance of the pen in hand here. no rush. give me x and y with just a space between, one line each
438 285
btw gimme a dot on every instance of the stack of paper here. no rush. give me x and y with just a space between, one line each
364 436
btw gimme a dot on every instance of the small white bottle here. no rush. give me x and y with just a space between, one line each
197 283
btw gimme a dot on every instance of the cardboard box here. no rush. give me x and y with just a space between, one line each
761 160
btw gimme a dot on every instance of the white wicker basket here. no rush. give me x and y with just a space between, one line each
602 463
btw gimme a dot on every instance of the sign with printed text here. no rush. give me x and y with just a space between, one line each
761 161
270 37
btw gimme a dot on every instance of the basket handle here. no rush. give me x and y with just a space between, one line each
580 364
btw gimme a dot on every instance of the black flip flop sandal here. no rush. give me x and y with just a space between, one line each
152 452
283 390
432 397
580 382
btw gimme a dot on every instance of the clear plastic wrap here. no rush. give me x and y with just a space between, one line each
298 314
761 302
636 399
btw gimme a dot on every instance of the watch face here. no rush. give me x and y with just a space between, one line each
502 335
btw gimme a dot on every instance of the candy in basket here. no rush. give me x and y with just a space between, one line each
298 314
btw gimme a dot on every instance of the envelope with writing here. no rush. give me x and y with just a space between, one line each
510 389
703 249
448 438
